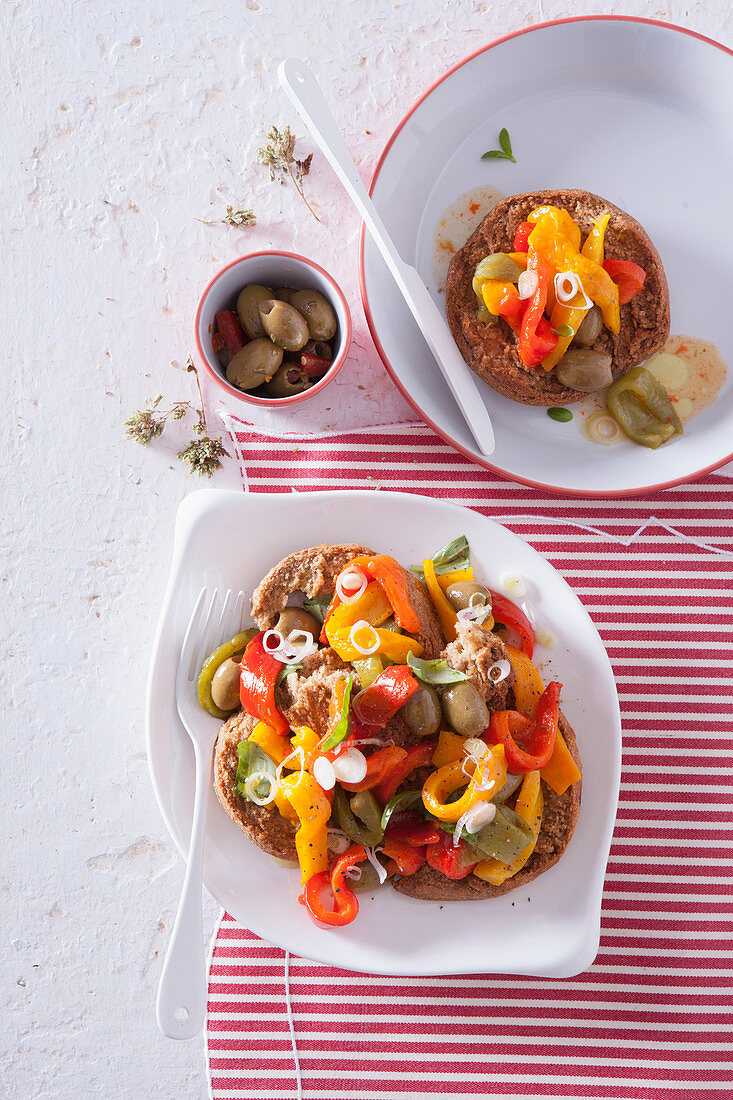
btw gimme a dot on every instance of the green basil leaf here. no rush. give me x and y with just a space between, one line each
454 555
252 758
435 672
564 330
495 154
399 802
318 606
342 728
559 414
505 141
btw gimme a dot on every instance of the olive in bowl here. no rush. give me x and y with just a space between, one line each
272 328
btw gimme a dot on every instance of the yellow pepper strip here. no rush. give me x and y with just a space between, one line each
593 247
456 575
372 606
490 772
561 771
528 686
557 250
445 609
276 746
519 258
368 669
566 314
306 739
313 810
391 645
561 222
529 806
493 291
448 749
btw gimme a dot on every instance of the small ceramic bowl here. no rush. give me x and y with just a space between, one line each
269 269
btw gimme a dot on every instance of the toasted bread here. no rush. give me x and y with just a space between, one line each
491 349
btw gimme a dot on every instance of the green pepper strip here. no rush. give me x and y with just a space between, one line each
639 403
368 829
209 667
503 838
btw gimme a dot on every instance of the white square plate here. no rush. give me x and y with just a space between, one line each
551 928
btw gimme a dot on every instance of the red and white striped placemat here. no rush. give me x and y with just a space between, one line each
651 1018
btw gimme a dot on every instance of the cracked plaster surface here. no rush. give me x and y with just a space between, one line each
126 131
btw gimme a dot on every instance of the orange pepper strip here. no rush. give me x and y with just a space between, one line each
379 765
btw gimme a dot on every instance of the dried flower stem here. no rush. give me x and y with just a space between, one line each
203 454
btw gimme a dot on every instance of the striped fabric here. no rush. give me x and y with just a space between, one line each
651 1018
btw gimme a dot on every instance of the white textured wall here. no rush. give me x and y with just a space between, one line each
124 128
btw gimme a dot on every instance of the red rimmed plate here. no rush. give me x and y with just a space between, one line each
631 109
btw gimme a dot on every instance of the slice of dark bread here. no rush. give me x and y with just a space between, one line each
491 349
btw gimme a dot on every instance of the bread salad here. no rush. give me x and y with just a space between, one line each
386 725
558 294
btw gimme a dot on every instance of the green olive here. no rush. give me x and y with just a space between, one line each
590 328
247 303
225 684
422 711
461 592
284 293
296 618
288 380
465 709
585 370
319 347
498 266
283 324
254 364
318 312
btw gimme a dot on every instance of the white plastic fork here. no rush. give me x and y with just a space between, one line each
181 1004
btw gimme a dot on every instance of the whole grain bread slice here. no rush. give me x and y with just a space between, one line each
491 349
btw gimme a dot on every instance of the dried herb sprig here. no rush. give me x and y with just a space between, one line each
278 156
505 152
147 424
203 454
238 218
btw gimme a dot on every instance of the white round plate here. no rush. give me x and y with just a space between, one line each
549 928
636 111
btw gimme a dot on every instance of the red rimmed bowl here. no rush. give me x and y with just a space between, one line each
273 269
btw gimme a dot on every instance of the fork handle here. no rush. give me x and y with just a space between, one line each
181 1004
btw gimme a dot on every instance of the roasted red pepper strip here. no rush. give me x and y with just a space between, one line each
506 612
258 673
512 308
411 829
528 745
382 699
408 858
453 861
419 756
521 237
379 764
314 365
628 277
536 340
230 330
345 901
